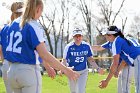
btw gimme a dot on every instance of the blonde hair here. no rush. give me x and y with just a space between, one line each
30 9
15 6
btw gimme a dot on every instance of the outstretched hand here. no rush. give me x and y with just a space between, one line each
72 75
103 84
61 73
51 72
101 71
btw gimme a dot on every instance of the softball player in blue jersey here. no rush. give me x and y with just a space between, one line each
25 36
16 9
75 55
121 45
126 75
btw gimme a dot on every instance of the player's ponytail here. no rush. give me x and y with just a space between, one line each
16 9
29 12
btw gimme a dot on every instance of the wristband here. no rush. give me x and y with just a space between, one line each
98 69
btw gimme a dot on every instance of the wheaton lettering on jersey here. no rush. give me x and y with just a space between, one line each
82 53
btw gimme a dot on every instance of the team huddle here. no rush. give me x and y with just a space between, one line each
22 43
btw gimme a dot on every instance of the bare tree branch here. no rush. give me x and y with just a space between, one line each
118 12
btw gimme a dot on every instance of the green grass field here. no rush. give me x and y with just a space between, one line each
59 85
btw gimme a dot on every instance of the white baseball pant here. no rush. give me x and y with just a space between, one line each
79 86
137 73
5 68
125 79
25 78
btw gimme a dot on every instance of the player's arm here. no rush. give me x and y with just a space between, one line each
97 47
51 72
55 63
64 62
95 66
112 71
120 67
113 67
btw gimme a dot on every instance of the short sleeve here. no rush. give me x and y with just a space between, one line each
66 52
106 45
36 34
90 52
116 46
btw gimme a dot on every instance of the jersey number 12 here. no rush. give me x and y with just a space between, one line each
13 45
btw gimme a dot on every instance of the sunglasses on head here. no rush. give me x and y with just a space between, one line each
78 35
77 31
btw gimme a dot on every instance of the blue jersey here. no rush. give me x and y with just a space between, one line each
126 59
3 39
22 43
107 45
123 56
120 45
77 56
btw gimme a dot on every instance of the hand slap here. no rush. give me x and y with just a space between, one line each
103 84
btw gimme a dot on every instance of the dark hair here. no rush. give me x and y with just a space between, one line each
119 33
